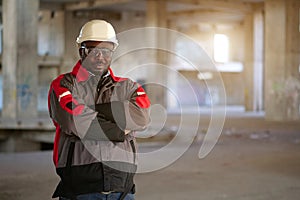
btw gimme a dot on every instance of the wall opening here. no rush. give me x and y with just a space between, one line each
221 48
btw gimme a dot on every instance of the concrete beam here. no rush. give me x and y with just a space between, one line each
93 4
198 16
224 5
99 13
18 144
14 140
51 6
50 61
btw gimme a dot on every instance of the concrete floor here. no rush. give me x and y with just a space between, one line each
253 160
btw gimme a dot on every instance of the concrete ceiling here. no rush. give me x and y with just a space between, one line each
181 11
140 5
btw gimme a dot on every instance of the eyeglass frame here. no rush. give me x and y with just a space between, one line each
88 51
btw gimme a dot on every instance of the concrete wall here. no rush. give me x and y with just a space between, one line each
58 31
233 80
51 33
53 44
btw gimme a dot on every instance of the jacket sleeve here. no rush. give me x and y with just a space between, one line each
137 109
129 114
74 117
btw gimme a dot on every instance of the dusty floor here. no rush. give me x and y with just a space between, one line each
253 160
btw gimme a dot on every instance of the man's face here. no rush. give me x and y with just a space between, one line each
96 56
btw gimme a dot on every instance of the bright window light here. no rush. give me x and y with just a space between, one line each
221 48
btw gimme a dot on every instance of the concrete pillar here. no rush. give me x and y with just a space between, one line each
71 55
282 90
292 83
173 77
248 63
258 59
275 68
293 38
20 63
156 16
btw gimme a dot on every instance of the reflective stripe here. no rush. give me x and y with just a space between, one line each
63 94
141 93
106 193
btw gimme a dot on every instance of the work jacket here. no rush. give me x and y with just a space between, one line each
91 114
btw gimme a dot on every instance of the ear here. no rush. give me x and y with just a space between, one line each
81 53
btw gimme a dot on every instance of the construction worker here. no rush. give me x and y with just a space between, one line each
96 115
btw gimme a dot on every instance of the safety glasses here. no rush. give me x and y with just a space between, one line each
95 51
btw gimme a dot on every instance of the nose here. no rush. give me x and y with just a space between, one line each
99 55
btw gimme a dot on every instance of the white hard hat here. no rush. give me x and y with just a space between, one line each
97 30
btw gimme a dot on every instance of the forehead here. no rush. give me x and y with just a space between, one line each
98 44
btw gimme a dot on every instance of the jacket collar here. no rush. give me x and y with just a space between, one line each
115 78
82 74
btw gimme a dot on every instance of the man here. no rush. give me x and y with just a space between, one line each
96 115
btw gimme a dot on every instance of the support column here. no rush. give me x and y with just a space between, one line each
157 17
71 54
282 90
275 69
292 83
248 64
20 63
258 59
173 77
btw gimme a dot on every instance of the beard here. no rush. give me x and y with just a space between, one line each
97 68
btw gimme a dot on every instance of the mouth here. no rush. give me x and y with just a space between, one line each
99 66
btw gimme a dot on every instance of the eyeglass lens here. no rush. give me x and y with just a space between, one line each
94 51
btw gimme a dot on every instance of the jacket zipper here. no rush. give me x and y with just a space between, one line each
133 150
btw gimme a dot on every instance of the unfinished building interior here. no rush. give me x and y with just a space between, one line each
222 70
